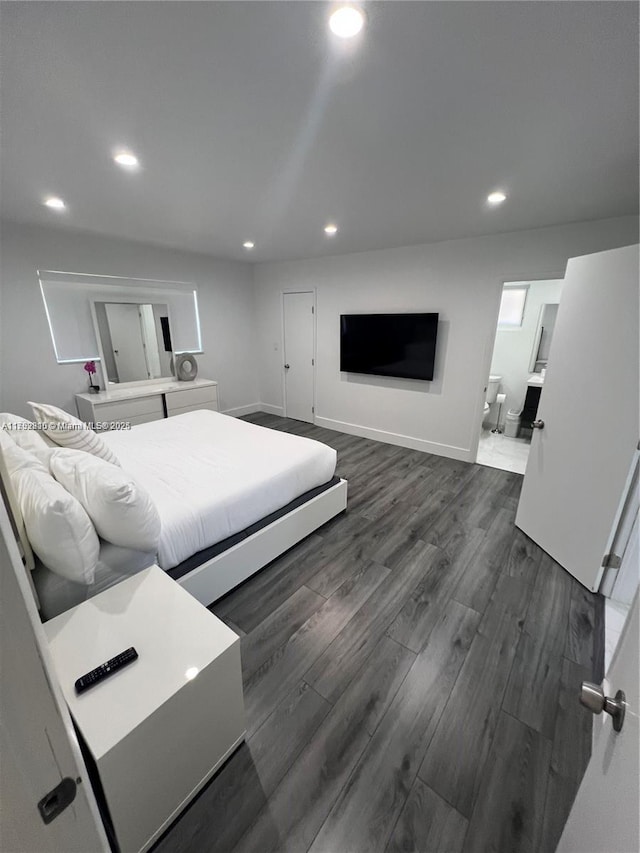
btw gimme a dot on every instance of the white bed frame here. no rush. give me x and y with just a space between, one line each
214 578
221 574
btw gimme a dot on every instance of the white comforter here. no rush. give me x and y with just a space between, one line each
211 475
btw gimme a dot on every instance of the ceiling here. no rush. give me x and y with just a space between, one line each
252 121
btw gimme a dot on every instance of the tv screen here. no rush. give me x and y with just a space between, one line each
401 345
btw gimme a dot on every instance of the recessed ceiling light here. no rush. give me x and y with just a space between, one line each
126 159
54 203
346 22
330 230
496 198
248 244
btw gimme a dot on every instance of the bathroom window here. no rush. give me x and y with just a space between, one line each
512 306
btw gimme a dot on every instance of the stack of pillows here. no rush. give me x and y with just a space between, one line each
71 490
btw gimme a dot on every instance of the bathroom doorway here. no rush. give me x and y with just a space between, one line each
525 325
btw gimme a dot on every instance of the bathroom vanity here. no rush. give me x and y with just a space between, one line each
531 401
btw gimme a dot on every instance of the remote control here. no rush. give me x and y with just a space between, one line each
105 670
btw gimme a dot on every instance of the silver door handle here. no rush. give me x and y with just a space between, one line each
287 366
592 697
537 425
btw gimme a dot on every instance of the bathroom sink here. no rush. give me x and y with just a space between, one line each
535 379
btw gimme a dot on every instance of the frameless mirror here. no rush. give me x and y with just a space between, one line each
135 339
542 340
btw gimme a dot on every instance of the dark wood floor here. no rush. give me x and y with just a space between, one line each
411 674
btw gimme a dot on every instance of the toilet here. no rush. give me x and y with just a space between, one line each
492 391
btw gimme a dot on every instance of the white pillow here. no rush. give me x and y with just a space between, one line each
15 457
121 510
59 530
25 434
66 431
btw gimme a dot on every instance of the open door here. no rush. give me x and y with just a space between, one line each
40 759
588 430
604 817
127 342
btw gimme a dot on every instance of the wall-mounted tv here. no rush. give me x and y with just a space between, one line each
402 345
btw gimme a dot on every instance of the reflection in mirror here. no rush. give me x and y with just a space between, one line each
136 340
544 333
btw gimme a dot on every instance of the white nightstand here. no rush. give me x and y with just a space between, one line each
159 728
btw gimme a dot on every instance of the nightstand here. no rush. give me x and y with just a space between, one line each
159 728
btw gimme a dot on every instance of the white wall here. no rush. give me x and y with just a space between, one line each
513 347
28 368
462 280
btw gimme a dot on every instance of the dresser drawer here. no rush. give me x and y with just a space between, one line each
126 410
144 419
213 407
192 398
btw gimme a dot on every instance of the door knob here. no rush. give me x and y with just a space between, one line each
538 424
287 366
592 697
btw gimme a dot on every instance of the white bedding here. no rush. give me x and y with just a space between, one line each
211 475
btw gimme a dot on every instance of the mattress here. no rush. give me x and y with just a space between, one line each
211 475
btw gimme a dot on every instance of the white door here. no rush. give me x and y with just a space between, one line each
38 746
298 351
150 340
126 339
579 462
604 817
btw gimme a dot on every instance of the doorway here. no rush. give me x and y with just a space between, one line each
298 350
525 326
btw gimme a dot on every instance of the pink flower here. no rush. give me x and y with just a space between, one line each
90 367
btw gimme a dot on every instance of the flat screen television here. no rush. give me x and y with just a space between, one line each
402 345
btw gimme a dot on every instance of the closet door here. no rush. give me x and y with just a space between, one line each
298 350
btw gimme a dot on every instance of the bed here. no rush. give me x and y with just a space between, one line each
231 496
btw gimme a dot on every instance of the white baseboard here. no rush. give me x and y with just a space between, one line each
239 411
271 410
449 450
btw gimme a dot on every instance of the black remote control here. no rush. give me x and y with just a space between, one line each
105 670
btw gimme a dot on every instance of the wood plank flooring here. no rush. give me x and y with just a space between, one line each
410 671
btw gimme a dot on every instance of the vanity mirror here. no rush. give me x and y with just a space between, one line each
135 339
542 339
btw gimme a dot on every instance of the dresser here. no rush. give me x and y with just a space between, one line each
147 401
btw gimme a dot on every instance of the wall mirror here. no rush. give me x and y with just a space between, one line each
82 327
135 339
543 336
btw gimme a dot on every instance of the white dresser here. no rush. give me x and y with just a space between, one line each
146 401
